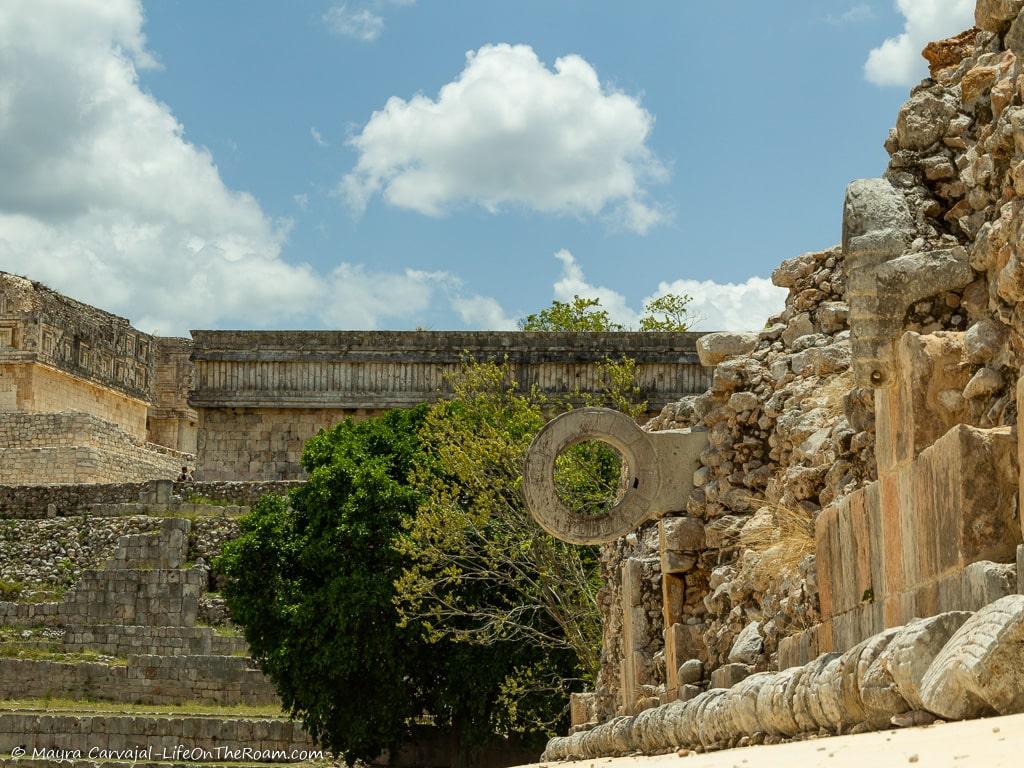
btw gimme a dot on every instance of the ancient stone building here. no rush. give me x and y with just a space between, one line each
260 395
120 404
84 396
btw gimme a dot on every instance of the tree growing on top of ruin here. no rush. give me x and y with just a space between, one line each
666 313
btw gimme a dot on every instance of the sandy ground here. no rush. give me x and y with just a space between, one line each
992 743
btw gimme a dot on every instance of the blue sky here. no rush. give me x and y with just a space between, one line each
228 168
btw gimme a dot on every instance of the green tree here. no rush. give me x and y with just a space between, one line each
311 580
666 313
483 572
578 315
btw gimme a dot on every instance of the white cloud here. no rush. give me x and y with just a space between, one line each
358 298
727 306
360 23
898 61
853 15
318 137
715 306
301 200
103 198
482 312
510 132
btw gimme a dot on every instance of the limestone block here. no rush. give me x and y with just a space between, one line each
996 15
713 348
980 671
878 692
1020 569
922 121
728 675
691 671
681 534
748 645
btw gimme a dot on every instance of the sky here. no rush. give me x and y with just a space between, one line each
394 164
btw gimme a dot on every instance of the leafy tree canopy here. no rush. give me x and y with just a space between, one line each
664 313
312 578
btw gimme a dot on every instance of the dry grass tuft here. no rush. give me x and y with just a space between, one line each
783 545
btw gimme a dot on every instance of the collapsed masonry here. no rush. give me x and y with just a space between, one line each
863 462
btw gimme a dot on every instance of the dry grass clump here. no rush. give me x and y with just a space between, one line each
783 544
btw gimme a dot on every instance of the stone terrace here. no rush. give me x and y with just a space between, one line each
123 654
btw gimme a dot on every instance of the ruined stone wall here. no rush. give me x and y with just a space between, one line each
31 502
172 422
261 394
863 461
76 447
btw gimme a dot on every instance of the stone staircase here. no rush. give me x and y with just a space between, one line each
134 679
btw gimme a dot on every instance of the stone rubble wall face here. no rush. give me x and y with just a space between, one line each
74 447
33 501
56 731
842 405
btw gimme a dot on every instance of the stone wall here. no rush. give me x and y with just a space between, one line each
120 732
171 421
219 680
863 466
40 501
76 447
37 388
261 394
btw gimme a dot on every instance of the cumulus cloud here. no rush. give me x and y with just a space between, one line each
359 23
715 306
728 306
103 198
482 312
509 132
898 61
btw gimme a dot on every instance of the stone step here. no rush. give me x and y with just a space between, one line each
279 740
122 640
210 680
188 510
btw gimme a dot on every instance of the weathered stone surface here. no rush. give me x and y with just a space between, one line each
713 348
728 675
923 120
949 52
911 652
691 671
996 15
980 670
681 534
748 645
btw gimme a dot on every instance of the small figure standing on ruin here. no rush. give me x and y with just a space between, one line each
185 476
